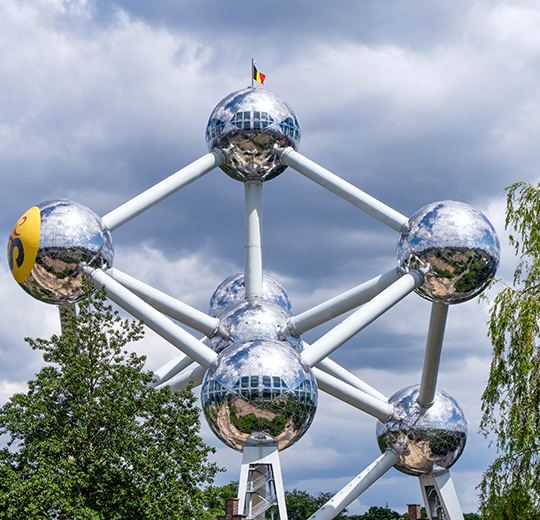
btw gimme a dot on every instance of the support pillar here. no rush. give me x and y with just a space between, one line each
440 497
261 483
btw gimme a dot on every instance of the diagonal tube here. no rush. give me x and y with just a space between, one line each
343 189
166 304
432 358
349 327
341 304
348 394
152 318
334 369
357 486
124 213
170 369
179 382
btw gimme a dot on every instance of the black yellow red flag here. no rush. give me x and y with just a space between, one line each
259 77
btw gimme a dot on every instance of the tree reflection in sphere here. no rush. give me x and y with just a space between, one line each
49 243
459 244
249 127
259 389
433 438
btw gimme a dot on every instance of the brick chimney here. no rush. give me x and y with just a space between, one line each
231 510
414 511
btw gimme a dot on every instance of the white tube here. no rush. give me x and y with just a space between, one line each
162 190
170 369
166 304
336 370
432 358
349 327
253 273
343 189
341 304
348 394
356 487
153 319
180 381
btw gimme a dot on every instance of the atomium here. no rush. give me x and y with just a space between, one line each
261 390
50 242
250 127
433 438
457 243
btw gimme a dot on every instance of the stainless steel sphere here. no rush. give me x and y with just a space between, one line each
252 319
459 244
232 290
434 437
249 127
261 390
48 244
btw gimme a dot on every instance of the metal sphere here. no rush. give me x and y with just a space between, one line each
48 244
232 290
434 437
459 244
261 390
249 320
249 127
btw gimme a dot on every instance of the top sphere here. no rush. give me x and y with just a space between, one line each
460 245
48 244
249 127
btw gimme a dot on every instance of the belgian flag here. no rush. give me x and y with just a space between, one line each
259 77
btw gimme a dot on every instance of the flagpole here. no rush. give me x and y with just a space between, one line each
252 65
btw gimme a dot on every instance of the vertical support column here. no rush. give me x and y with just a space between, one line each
440 497
261 483
253 273
432 358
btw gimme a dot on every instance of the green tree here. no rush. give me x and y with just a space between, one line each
379 513
92 439
510 488
301 505
214 498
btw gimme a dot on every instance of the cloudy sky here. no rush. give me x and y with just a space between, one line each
412 101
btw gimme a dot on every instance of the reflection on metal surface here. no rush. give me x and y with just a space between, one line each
69 233
262 390
434 437
249 126
459 244
232 290
249 320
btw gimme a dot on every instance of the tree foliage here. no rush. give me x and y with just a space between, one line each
214 498
379 513
301 505
510 488
92 439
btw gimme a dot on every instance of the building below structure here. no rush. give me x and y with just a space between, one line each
414 511
231 510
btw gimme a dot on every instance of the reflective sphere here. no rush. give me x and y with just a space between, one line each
49 242
460 245
232 290
434 437
250 320
249 126
261 390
